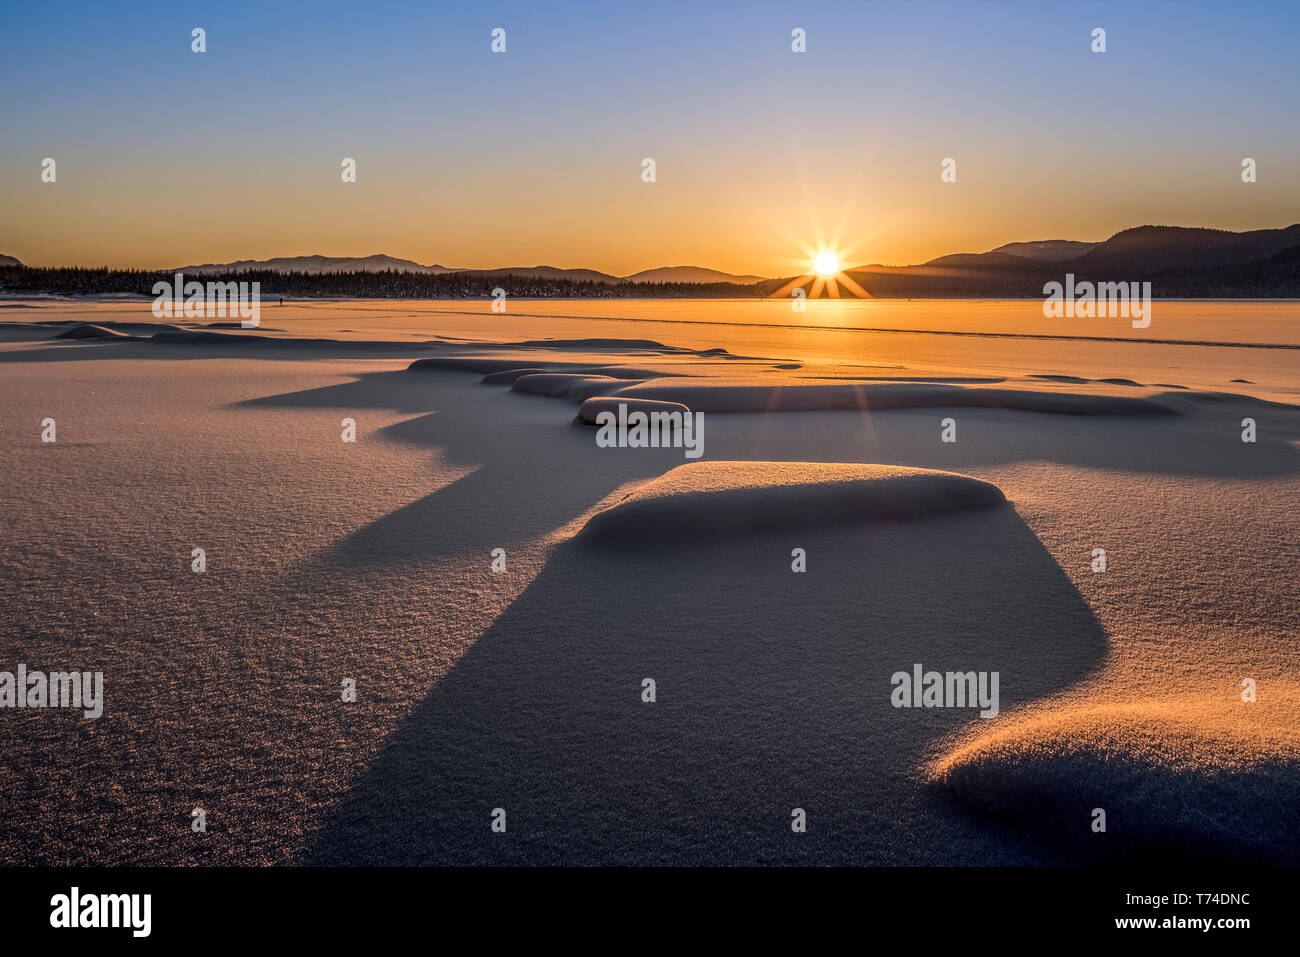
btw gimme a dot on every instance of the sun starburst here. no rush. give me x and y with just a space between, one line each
826 276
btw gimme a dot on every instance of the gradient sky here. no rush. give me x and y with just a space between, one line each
466 158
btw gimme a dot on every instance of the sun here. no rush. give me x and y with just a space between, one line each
826 264
826 277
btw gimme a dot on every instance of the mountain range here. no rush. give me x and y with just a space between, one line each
1179 262
316 265
1170 256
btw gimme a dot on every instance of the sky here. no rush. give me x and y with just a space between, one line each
469 158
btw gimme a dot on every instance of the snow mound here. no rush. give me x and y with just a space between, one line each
702 500
564 385
1207 773
88 330
598 404
724 395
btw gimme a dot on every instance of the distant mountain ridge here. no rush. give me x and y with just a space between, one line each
313 265
1155 248
1046 250
1179 261
317 265
689 274
545 272
1145 248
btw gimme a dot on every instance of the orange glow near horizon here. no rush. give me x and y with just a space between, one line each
826 275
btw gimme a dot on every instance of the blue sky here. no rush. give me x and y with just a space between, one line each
474 159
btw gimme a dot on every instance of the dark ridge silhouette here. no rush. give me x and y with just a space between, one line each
386 284
1179 262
